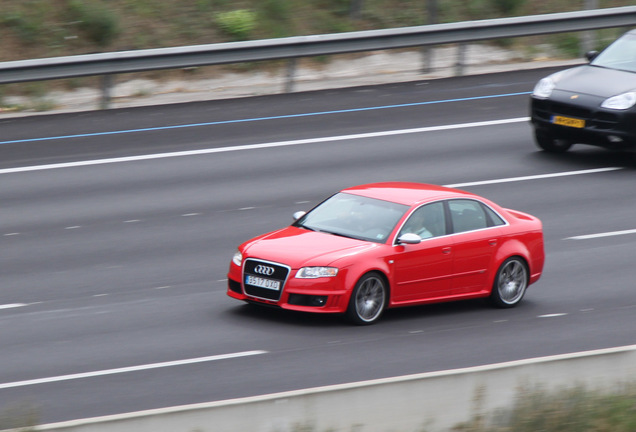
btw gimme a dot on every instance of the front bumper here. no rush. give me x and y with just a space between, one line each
610 129
321 295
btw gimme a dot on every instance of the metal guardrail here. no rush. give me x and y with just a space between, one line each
108 64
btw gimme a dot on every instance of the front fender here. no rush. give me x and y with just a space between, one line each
356 270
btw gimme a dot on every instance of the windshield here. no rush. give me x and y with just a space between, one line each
354 216
619 55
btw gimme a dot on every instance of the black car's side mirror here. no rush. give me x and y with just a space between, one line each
591 55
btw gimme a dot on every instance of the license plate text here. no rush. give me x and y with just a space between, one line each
568 121
262 282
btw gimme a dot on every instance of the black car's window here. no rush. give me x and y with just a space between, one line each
427 221
619 55
354 216
467 215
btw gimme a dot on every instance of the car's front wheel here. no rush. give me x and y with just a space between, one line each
368 299
510 284
551 144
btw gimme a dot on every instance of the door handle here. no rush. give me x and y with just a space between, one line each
446 250
493 242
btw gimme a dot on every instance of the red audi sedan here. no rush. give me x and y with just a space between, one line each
385 245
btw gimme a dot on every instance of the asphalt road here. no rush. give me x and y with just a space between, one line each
117 228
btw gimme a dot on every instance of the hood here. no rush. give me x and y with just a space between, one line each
596 81
299 247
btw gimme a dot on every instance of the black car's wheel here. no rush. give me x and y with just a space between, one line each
368 299
510 283
550 144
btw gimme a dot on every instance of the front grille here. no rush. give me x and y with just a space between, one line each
570 110
545 109
264 279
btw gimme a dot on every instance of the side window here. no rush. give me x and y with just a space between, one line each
495 219
427 221
467 215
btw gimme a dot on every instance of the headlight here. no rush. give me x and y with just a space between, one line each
621 101
544 88
316 272
238 258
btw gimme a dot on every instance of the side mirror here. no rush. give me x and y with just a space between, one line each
298 215
591 55
409 238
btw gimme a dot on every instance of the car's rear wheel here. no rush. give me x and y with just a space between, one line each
368 299
510 283
551 144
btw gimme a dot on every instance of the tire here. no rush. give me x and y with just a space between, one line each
368 300
550 144
510 283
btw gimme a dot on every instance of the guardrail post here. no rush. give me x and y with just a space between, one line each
107 85
427 60
461 59
291 72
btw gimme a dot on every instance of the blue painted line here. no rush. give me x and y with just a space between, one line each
261 118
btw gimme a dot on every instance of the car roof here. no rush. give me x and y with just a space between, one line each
407 193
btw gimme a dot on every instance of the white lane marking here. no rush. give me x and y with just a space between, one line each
128 369
605 234
552 315
262 145
534 177
73 227
11 234
12 305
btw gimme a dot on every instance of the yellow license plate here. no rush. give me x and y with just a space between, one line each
568 121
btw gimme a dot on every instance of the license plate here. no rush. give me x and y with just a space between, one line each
262 282
568 121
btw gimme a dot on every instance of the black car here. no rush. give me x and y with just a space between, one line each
590 104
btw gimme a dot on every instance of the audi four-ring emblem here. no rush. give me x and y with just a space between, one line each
264 270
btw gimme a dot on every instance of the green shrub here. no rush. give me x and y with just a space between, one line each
275 18
507 7
96 21
237 23
27 29
336 7
279 10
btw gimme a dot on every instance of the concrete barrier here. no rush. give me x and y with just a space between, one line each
433 401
